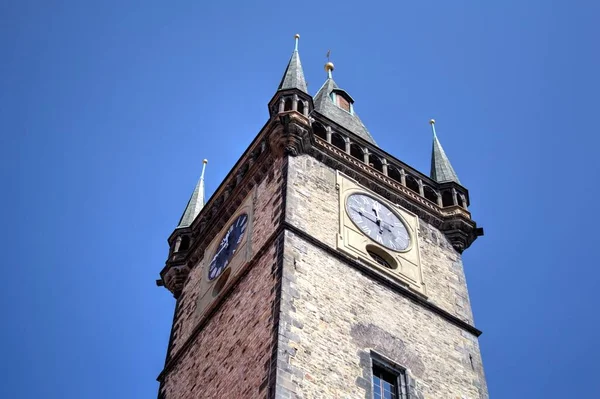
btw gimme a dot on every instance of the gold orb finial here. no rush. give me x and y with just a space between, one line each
432 121
205 161
329 66
297 36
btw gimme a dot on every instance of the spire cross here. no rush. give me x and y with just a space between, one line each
432 123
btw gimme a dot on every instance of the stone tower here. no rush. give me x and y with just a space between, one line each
323 267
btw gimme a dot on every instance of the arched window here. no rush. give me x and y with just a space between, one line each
185 243
287 105
412 184
356 151
430 194
447 198
319 130
394 173
338 141
460 200
301 107
375 162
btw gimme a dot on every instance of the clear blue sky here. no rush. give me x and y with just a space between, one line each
107 109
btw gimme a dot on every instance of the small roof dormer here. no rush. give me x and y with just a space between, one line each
336 104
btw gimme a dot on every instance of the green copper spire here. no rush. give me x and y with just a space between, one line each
293 78
196 202
441 169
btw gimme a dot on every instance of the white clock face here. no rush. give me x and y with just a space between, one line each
378 222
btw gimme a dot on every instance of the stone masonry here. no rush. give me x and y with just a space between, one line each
332 315
228 354
296 317
312 206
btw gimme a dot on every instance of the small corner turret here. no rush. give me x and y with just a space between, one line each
292 92
289 110
175 272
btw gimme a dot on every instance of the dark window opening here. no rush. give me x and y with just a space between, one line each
447 199
185 243
376 162
379 259
338 141
430 194
394 173
319 130
388 383
460 200
412 184
356 152
287 105
301 107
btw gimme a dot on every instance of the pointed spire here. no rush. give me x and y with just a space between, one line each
293 78
324 104
196 202
441 169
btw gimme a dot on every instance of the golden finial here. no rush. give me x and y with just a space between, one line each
432 121
329 68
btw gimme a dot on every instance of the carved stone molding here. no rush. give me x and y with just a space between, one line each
460 232
291 136
174 279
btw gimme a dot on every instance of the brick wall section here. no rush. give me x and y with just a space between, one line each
333 315
267 212
312 206
232 355
229 358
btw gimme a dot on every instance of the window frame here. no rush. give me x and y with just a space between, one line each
400 373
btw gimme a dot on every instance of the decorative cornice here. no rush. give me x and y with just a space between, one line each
454 221
372 179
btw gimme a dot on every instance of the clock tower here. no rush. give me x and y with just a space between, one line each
323 267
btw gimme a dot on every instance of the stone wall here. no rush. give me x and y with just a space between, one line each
268 209
229 352
333 316
312 206
231 356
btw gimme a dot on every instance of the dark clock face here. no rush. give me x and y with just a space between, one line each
378 222
227 247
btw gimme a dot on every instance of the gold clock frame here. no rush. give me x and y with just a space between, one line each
353 242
